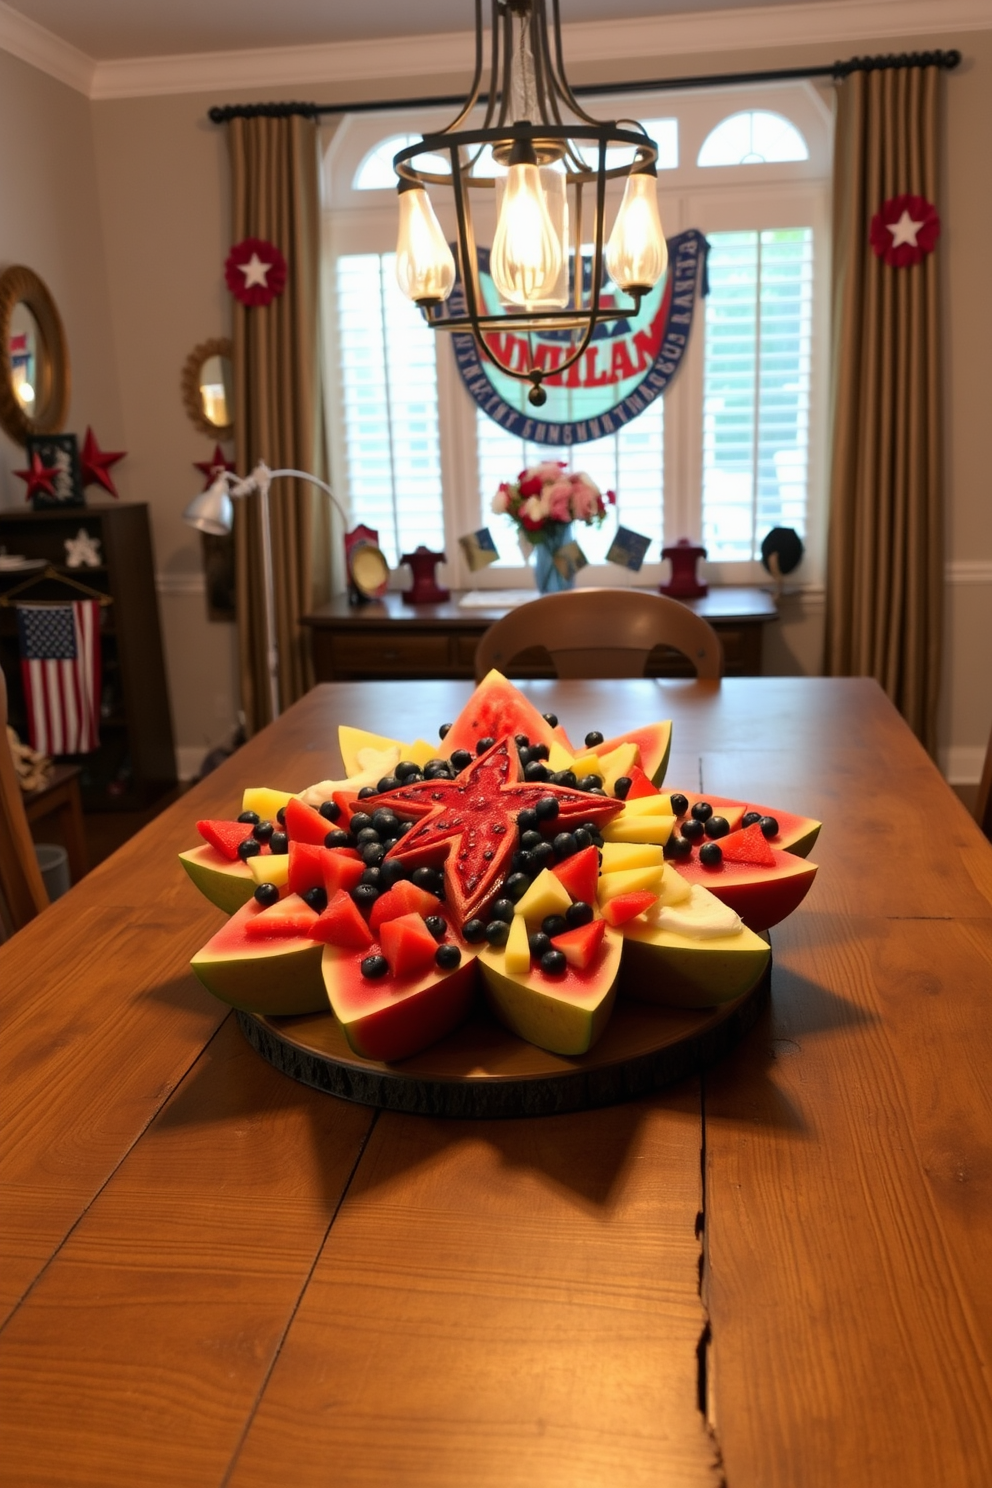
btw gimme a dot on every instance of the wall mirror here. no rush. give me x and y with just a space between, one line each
34 357
208 388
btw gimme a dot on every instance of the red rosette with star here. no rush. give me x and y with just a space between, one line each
904 230
255 271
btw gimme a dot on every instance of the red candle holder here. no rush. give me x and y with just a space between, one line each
425 588
684 584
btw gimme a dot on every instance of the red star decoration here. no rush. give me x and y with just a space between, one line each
213 467
904 230
39 477
255 271
96 463
476 815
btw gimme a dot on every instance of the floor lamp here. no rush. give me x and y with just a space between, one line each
213 511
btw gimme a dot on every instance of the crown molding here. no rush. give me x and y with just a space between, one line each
31 43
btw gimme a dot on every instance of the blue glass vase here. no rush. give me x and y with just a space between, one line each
550 579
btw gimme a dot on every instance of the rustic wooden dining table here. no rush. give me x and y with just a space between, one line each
776 1273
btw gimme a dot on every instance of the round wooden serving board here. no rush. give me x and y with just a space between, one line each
482 1071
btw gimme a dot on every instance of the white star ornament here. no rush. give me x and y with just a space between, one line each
256 272
904 231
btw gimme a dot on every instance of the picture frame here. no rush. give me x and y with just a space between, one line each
62 452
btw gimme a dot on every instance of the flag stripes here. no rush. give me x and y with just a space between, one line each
60 669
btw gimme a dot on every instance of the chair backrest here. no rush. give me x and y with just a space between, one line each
983 805
601 633
21 883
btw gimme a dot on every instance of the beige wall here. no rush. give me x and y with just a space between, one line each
162 178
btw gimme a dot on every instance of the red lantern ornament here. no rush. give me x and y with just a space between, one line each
255 271
39 477
96 463
213 467
904 229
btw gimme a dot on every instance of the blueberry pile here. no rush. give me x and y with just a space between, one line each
703 827
262 832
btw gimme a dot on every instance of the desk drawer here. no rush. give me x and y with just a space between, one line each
387 654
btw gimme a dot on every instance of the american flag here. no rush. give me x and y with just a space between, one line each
60 667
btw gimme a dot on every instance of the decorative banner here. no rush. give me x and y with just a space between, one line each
629 362
255 271
568 559
904 229
628 549
96 463
60 670
479 549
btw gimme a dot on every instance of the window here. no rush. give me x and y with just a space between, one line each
735 446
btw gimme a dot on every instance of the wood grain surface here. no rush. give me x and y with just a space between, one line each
213 1275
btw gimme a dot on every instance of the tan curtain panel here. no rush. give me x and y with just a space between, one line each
885 555
279 416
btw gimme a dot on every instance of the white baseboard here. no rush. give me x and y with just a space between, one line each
961 764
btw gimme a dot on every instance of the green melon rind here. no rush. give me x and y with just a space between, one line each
654 763
229 885
279 977
676 971
539 1009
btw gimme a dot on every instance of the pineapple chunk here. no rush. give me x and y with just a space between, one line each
648 806
546 895
674 890
558 757
588 764
516 957
619 761
266 802
351 741
621 855
419 752
273 868
630 881
639 829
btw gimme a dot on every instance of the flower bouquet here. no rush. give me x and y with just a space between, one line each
543 502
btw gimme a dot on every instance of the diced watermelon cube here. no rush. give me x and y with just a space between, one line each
342 924
304 824
306 867
579 946
289 917
580 874
749 845
402 899
640 785
225 836
407 945
626 906
342 869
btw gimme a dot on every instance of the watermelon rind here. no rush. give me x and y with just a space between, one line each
277 977
564 1014
495 709
226 884
673 970
395 1017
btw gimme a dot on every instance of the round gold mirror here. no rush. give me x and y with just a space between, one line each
208 388
34 358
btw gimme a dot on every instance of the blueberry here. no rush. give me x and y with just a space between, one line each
389 844
266 894
593 738
539 943
372 854
565 845
248 849
527 819
385 822
281 816
372 876
579 913
429 879
516 886
525 756
540 751
316 898
711 854
250 818
678 846
359 821
553 925
769 826
366 835
388 783
553 962
589 783
329 809
497 932
567 778
621 786
750 818
335 838
530 840
390 872
535 771
278 844
365 895
447 956
460 758
437 769
544 854
547 808
680 803
263 830
702 811
405 769
437 926
717 826
583 838
522 864
692 830
374 967
367 791
474 931
551 719
444 731
502 910
521 741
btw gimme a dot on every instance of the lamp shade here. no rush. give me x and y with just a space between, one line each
211 511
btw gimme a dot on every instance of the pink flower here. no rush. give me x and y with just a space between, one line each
559 499
533 513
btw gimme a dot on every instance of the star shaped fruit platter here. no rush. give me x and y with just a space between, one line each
501 923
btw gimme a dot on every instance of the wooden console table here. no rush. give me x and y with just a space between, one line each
390 639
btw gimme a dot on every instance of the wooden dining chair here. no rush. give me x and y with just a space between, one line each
601 633
21 883
983 805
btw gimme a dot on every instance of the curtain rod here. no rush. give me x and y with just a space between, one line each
221 114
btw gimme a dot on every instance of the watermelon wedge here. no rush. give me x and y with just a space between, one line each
393 1017
796 834
278 975
342 924
762 895
564 1014
226 836
225 883
654 741
495 710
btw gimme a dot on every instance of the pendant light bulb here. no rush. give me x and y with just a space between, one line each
526 258
425 268
637 254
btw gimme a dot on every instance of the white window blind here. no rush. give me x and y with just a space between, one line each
389 406
756 388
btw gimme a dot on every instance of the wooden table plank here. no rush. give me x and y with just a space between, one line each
847 1280
139 1355
502 1304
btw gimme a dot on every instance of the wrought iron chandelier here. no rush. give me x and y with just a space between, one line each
551 152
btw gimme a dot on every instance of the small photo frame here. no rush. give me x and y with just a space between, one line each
628 549
479 549
61 453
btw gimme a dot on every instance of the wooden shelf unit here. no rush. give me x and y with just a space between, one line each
136 760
